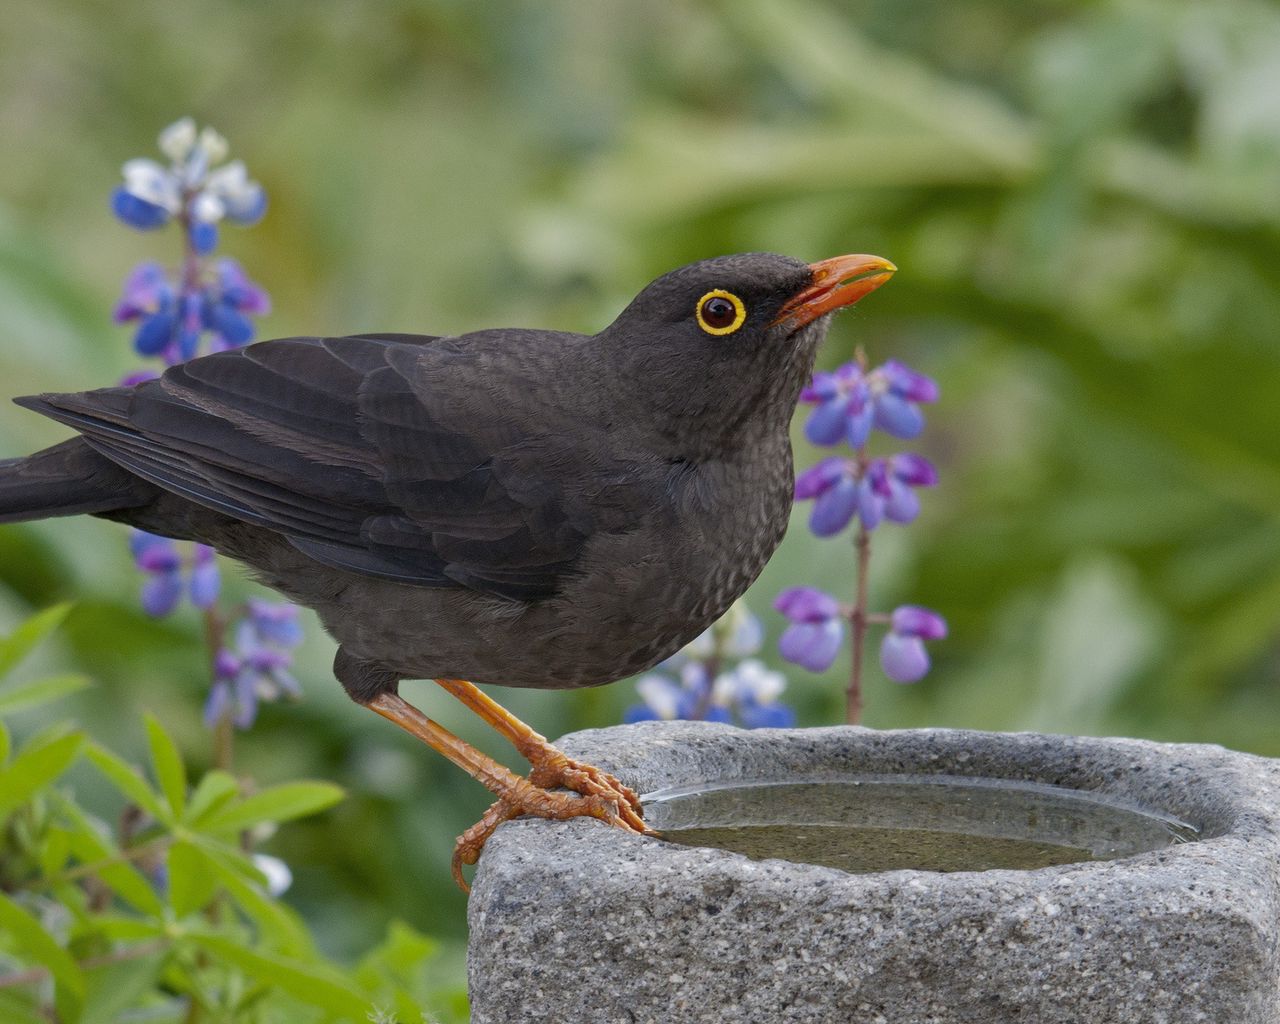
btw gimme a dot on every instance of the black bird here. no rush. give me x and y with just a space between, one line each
512 507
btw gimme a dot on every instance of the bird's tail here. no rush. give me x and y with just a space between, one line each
66 480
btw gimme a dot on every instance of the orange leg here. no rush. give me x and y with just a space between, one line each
551 768
516 795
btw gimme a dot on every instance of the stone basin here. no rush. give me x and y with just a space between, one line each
575 922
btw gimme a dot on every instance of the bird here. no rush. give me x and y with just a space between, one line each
509 507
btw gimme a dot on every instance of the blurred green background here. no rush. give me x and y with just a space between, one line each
1083 198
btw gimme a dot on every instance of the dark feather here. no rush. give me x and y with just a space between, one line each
382 454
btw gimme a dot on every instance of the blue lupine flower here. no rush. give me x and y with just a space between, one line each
174 312
682 687
159 559
753 690
190 188
902 652
817 627
849 403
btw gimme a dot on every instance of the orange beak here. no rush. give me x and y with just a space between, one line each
838 282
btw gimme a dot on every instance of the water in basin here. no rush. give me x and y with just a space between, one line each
867 823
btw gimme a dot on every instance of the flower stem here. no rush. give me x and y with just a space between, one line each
858 622
711 667
224 734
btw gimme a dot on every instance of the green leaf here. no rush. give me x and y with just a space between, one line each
168 766
192 881
122 928
278 803
18 644
5 744
213 791
21 696
130 782
41 948
116 987
281 928
35 767
18 1007
312 984
91 848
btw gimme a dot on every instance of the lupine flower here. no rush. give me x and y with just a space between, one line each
752 690
875 490
849 403
682 687
206 582
257 668
174 312
171 320
160 560
748 692
817 627
902 651
191 188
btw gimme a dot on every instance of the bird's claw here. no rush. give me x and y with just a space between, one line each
599 795
560 772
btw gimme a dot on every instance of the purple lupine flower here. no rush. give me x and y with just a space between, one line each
160 561
205 581
148 297
273 622
849 402
817 627
897 391
257 667
844 411
880 489
902 651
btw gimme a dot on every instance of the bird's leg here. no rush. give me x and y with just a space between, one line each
551 768
516 795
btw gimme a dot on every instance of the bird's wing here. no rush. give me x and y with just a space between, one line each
375 453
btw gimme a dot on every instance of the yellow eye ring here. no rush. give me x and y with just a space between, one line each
720 312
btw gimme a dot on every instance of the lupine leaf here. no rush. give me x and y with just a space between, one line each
31 939
115 987
308 983
35 767
121 927
169 769
191 881
18 644
281 928
278 803
130 782
91 848
18 1007
21 696
211 792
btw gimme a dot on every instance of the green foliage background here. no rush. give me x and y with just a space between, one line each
1083 198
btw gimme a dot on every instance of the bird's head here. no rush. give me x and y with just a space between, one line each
729 342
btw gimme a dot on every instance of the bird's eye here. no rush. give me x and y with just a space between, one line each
720 312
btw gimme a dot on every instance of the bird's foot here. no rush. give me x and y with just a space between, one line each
554 770
596 794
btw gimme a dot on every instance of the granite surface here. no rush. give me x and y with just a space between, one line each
575 922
